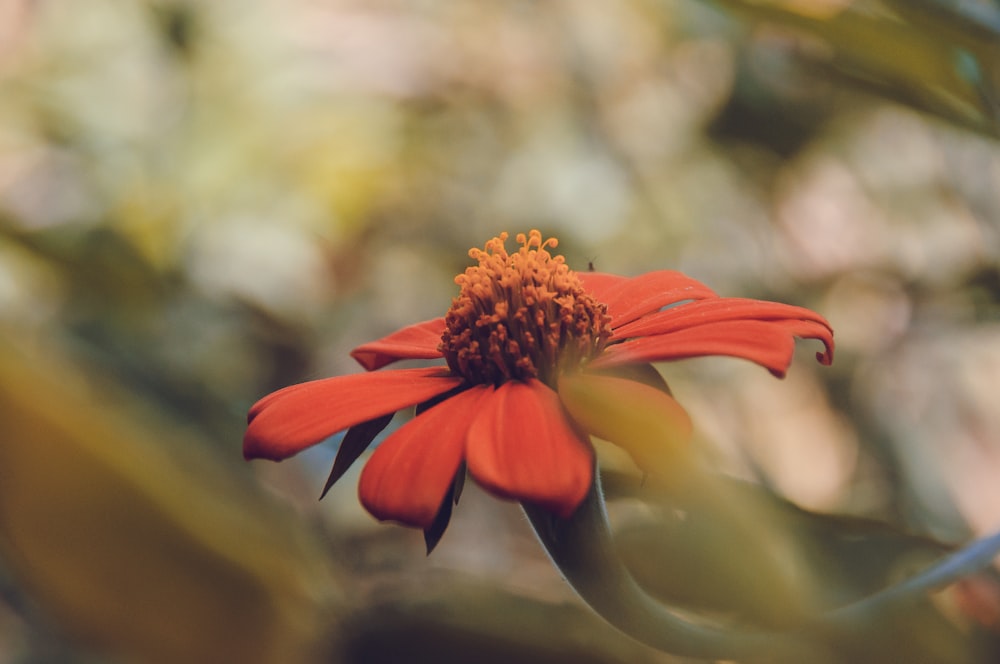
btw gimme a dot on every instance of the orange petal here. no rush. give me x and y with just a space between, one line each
768 344
807 329
522 446
415 342
647 422
598 284
410 473
294 418
651 292
721 309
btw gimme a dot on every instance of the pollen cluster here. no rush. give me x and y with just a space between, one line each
522 315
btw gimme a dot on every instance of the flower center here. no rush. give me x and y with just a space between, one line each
522 315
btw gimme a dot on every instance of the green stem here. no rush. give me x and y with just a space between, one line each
583 549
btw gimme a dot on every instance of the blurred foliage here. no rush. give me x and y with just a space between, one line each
938 55
123 533
202 202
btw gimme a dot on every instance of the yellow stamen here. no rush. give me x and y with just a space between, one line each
522 315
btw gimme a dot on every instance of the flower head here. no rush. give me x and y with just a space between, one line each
521 316
538 358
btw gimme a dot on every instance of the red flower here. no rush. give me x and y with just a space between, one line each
538 359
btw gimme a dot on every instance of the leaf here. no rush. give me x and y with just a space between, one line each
937 56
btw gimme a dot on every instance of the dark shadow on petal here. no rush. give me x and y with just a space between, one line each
459 482
433 534
356 441
430 403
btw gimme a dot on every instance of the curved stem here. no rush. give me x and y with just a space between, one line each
583 549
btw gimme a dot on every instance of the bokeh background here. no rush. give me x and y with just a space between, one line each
204 202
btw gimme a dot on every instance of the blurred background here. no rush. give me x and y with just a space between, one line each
203 202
